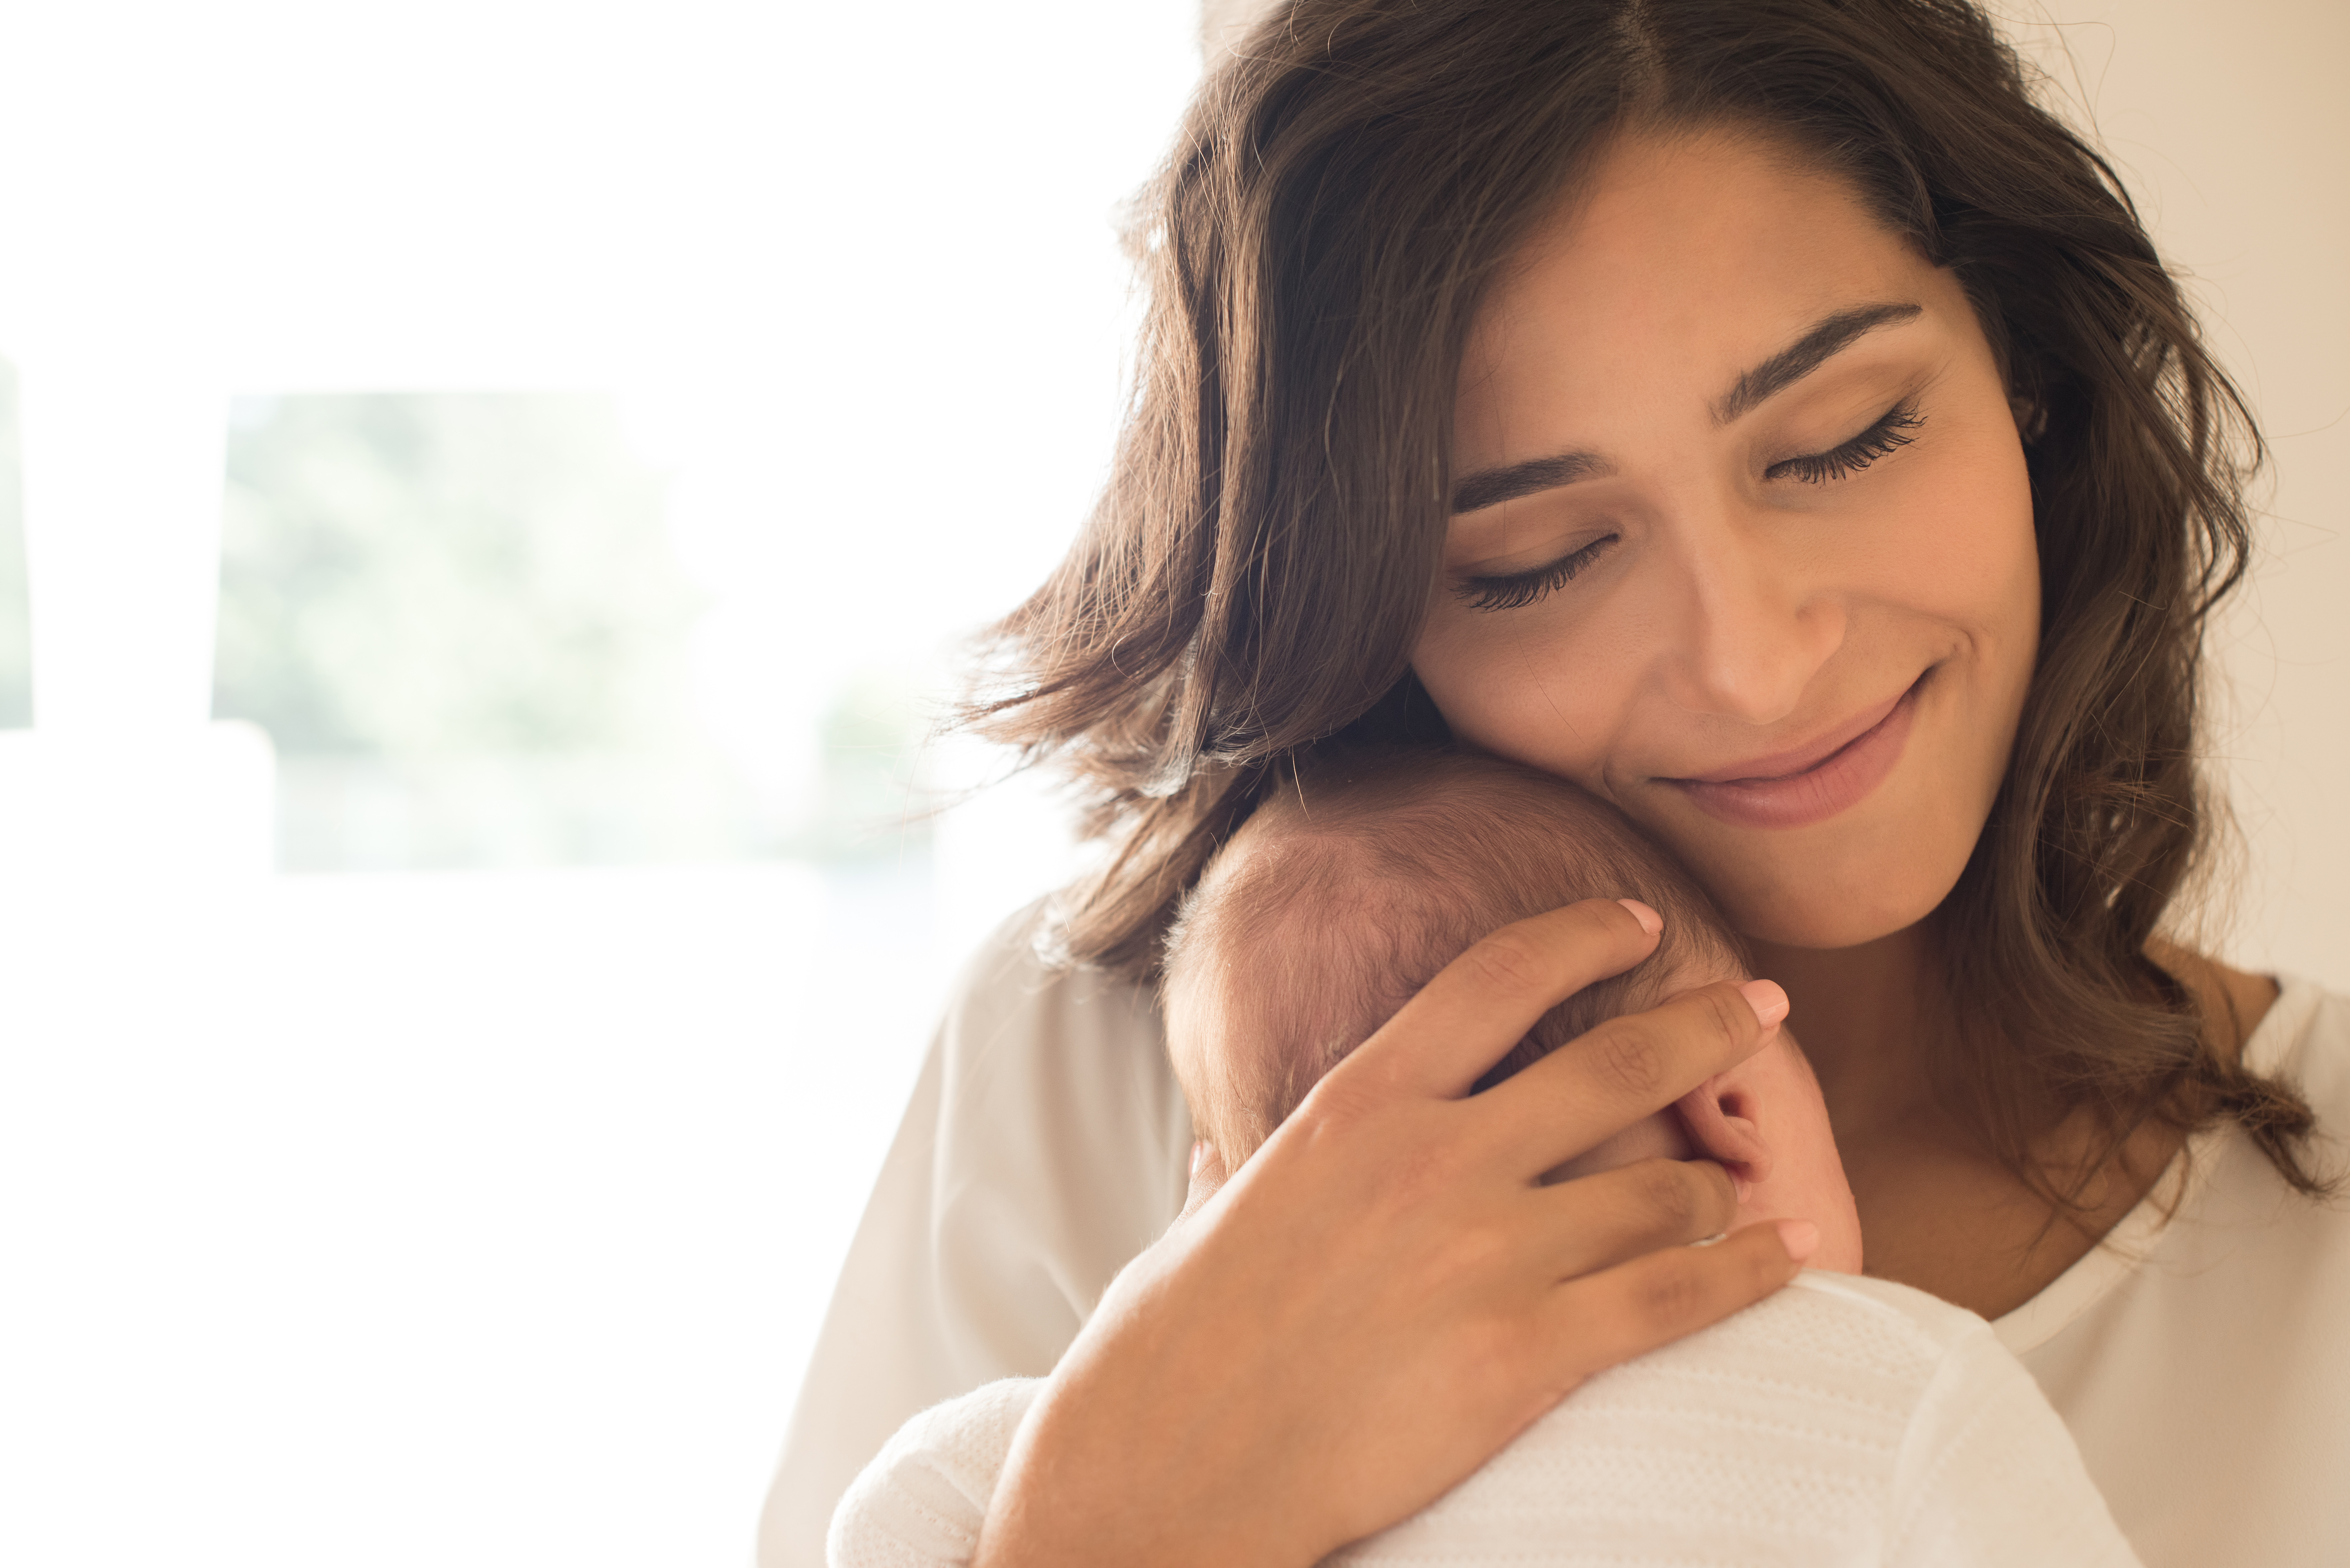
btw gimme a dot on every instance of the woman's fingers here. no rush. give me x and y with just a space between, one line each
1628 1067
1595 1222
1604 1319
1483 1001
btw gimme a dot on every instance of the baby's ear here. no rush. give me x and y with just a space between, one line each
1724 1120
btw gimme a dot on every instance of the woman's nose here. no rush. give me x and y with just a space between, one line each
1754 625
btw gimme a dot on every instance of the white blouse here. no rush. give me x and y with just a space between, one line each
2202 1364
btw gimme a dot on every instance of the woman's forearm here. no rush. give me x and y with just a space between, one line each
1385 1294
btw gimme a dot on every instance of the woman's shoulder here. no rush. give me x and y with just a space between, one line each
2197 1353
1017 993
1055 1095
1045 1145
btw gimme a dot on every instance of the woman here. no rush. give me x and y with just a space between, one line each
1760 413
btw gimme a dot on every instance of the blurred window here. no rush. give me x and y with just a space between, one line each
463 623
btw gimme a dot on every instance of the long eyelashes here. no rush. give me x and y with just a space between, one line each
1891 432
1887 435
1522 588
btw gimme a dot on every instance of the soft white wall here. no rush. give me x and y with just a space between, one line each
1222 22
2229 125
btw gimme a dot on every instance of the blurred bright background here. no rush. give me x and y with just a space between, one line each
503 485
490 497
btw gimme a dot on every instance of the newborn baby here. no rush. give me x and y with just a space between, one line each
1842 1421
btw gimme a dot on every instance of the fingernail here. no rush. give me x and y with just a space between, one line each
1768 1003
1800 1237
1650 921
1741 1188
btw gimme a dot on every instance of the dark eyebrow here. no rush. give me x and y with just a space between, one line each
1822 342
1807 354
1491 486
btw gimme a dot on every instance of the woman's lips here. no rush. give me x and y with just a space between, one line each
1812 784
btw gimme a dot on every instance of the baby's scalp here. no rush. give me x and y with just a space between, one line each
1360 879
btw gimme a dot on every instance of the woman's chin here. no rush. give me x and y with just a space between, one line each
1877 870
1826 912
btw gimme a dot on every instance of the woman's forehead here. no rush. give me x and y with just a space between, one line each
1685 261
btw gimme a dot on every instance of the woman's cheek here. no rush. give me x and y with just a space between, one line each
1962 551
1521 685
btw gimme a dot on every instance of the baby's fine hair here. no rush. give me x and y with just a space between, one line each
1372 868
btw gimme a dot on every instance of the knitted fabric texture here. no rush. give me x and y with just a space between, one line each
1843 1421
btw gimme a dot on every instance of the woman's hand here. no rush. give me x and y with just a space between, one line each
1386 1294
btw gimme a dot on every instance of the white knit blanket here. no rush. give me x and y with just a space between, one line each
1842 1421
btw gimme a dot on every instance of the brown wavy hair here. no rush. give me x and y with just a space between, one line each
1342 192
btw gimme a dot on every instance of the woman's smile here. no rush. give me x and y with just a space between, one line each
1808 784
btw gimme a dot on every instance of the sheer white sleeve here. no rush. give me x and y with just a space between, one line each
1046 1145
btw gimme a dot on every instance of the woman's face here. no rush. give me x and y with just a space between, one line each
1742 537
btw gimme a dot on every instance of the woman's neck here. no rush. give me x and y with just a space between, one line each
1938 1211
1863 1016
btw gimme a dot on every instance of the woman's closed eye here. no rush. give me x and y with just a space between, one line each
1890 433
1514 590
1891 430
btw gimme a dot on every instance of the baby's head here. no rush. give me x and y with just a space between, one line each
1349 888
